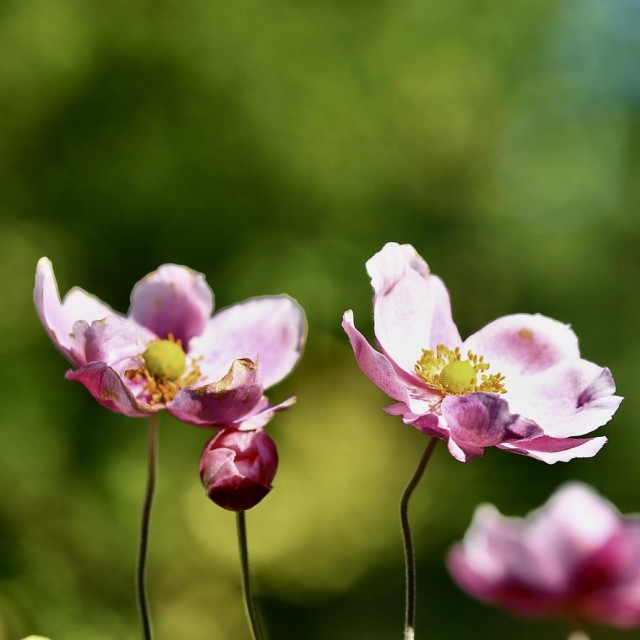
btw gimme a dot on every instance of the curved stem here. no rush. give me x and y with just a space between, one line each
256 632
152 466
409 556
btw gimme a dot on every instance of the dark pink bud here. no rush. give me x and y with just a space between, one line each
238 467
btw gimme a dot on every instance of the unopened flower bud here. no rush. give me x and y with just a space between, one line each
238 467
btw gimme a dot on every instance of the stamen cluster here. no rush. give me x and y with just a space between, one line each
159 381
448 373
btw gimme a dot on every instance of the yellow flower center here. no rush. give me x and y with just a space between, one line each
458 377
448 373
165 359
165 370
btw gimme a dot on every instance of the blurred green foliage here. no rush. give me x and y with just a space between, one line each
275 147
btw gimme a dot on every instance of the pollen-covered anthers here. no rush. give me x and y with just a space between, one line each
165 371
447 372
163 390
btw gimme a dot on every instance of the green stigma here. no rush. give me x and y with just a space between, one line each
165 359
458 377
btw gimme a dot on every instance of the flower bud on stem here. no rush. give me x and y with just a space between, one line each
237 469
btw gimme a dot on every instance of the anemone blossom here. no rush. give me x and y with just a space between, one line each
518 384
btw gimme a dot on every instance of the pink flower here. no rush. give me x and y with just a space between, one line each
518 384
576 558
168 352
238 467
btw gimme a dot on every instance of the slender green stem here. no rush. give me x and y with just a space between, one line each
409 555
254 624
141 567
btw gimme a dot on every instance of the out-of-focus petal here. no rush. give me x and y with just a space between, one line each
222 402
610 578
577 515
523 344
58 318
270 330
496 563
570 399
172 300
572 526
470 580
576 557
411 307
520 598
109 390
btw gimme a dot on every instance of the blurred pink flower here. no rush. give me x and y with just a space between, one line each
168 352
575 558
237 468
518 384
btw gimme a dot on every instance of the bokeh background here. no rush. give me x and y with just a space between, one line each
275 147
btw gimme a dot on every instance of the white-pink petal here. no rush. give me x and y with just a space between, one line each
412 310
172 300
463 454
58 318
268 330
523 344
119 342
374 365
108 388
263 413
552 450
223 402
570 399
